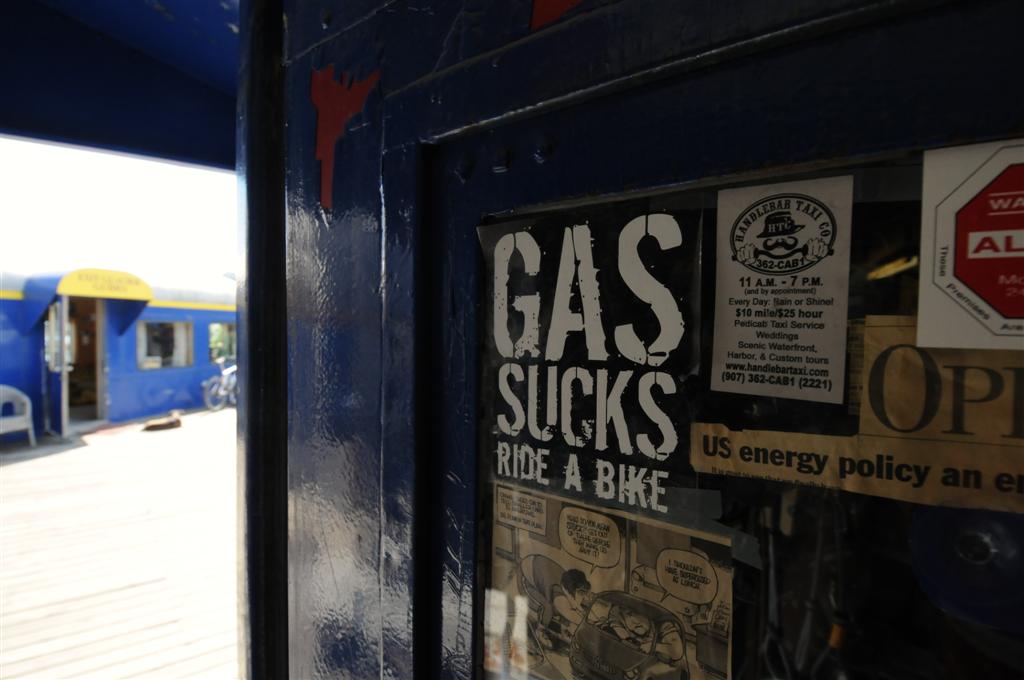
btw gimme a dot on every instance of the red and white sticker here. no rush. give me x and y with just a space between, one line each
972 247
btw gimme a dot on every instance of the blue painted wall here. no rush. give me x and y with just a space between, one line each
135 392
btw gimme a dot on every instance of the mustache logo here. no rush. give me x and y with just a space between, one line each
783 233
786 243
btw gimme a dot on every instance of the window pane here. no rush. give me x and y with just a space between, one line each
806 506
51 340
70 341
222 341
164 344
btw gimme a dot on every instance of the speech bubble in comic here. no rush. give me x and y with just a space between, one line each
687 575
590 536
521 510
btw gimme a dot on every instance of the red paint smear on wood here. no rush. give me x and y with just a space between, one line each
336 103
546 11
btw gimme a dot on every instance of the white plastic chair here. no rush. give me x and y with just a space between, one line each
21 419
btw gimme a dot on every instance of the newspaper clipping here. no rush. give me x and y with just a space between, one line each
583 592
937 426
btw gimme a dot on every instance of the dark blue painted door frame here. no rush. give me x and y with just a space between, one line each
475 115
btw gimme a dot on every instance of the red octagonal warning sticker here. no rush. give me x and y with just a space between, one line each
989 243
972 247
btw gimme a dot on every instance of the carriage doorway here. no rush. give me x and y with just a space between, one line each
86 392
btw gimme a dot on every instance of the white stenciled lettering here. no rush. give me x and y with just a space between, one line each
604 485
536 431
510 428
576 265
527 305
504 457
586 383
585 405
609 410
573 479
647 288
669 439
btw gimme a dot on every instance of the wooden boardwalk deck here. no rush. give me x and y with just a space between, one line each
117 556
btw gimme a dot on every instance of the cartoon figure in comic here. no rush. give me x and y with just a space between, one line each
626 636
585 594
558 598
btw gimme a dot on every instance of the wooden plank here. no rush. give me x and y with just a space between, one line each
118 557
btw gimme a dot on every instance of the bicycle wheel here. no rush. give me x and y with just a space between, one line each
213 396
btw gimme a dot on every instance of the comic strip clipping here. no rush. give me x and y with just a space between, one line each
591 326
581 592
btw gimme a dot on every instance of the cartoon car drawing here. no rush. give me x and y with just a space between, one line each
624 637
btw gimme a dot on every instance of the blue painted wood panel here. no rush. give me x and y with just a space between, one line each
476 115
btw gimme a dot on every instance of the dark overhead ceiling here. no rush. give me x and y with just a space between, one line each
152 77
197 37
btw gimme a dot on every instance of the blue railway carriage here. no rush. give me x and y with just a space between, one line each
93 345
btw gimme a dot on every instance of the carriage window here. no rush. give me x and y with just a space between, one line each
164 344
223 341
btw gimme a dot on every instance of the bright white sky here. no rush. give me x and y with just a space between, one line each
64 208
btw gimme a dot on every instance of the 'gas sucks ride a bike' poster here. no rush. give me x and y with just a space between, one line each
590 347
